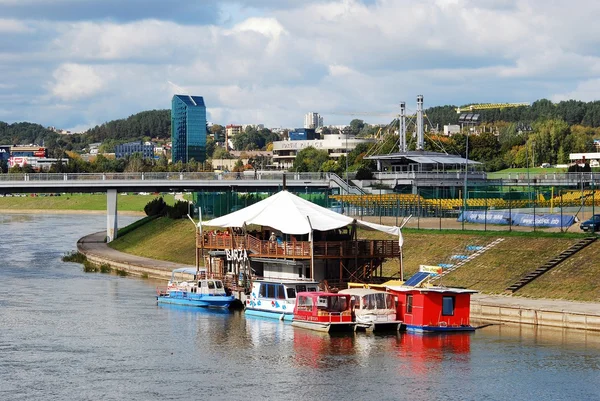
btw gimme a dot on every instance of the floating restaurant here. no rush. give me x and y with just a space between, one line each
287 237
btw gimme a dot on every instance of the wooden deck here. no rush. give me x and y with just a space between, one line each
301 249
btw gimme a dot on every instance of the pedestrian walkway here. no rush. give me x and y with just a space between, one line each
98 251
551 305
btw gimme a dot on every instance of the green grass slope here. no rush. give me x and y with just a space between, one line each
519 253
78 202
161 239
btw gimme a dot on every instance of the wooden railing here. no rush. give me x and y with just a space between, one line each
301 249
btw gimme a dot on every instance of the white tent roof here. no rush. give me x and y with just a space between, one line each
290 214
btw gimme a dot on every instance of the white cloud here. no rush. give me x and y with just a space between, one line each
75 81
14 26
273 62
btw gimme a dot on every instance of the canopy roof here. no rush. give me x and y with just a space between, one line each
291 214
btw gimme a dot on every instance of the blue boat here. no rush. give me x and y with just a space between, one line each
191 287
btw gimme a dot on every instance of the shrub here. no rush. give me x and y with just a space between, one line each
121 273
105 268
156 207
89 267
364 173
178 210
74 257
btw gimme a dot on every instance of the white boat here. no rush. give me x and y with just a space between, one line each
276 298
374 310
195 290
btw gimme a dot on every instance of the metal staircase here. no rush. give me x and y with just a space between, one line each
551 263
466 259
346 188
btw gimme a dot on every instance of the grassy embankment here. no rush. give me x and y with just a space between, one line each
518 254
79 202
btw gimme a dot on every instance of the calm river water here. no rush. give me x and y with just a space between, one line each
69 335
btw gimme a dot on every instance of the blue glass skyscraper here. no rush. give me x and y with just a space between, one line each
188 128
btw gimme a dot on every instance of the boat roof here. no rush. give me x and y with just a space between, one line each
361 291
321 294
433 289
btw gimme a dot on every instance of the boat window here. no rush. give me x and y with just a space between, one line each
380 300
301 288
219 284
311 289
280 291
305 303
271 290
390 301
448 306
291 293
337 304
204 284
211 285
409 303
263 291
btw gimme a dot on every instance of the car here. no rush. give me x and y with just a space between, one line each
593 224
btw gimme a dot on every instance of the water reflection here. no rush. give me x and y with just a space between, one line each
321 350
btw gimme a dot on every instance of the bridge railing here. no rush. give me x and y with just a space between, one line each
162 176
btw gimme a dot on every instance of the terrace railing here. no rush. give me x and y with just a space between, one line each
301 249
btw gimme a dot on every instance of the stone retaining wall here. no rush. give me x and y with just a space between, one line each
521 315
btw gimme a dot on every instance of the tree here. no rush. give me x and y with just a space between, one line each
356 126
310 159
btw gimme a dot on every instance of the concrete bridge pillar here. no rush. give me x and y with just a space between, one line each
111 215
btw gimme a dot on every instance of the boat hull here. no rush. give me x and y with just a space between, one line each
379 326
211 301
325 327
286 317
437 329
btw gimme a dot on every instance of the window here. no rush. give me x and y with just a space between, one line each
211 285
271 291
447 306
301 288
219 284
291 293
305 303
280 292
409 303
263 291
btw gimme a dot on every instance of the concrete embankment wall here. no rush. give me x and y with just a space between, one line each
135 270
541 317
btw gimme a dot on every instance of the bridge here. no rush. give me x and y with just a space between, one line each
113 183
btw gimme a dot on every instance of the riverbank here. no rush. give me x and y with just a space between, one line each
484 307
65 211
98 252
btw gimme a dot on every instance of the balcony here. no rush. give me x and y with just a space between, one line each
301 249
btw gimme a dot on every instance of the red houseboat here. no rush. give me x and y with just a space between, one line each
434 309
323 311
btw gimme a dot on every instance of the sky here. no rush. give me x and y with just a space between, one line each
74 64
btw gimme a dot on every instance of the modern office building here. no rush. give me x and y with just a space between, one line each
128 149
188 128
313 120
303 134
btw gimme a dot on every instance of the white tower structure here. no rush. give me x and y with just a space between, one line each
402 127
420 134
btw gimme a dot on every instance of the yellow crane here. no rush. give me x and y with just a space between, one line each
489 106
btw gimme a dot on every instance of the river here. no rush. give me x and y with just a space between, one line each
70 335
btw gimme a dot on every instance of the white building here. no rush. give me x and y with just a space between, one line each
450 130
313 120
284 152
